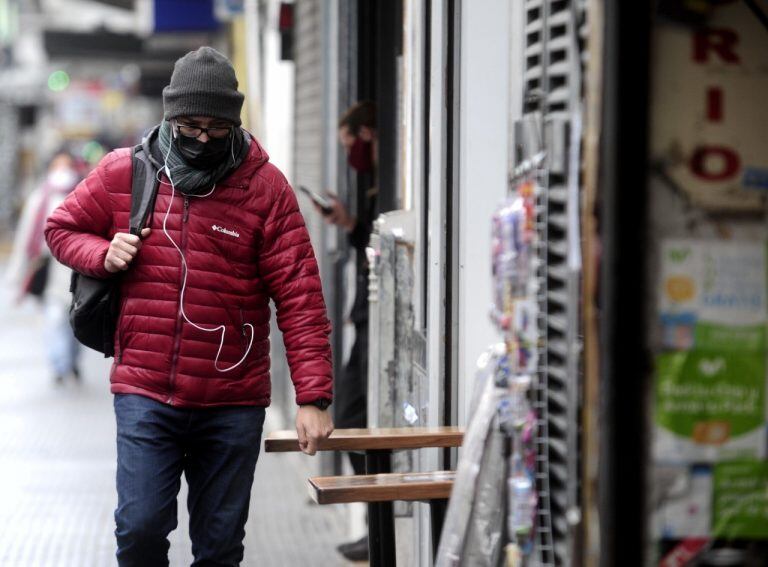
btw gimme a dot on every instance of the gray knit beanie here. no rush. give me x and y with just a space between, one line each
203 83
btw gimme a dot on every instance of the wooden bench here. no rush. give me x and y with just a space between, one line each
381 487
378 444
433 488
375 439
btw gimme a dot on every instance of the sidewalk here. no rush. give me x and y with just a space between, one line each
57 471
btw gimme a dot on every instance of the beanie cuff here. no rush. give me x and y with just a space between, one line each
225 105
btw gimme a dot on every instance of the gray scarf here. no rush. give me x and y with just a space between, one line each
191 181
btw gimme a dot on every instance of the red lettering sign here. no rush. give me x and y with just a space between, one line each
712 162
704 163
722 41
715 104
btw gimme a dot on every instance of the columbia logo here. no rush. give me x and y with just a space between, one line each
223 230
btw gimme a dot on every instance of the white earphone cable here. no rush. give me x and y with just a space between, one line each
221 327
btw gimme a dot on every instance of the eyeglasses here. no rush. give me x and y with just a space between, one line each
190 131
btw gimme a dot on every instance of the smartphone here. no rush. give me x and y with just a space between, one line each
324 204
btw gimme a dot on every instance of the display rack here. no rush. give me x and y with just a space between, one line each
551 107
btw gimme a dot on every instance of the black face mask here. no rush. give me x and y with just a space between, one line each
203 155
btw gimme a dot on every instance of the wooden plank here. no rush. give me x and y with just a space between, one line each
385 438
381 487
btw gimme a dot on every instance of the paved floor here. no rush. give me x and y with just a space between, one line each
57 468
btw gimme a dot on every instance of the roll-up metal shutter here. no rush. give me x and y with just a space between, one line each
551 116
308 104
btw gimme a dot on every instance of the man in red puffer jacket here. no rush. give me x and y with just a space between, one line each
191 372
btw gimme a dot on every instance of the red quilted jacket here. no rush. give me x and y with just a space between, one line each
244 244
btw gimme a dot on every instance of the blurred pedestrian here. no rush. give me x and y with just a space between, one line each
358 136
32 272
191 370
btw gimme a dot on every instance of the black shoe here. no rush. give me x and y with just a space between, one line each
58 379
355 550
76 373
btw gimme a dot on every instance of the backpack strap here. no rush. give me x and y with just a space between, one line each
143 189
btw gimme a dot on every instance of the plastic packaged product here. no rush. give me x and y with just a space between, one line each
523 335
514 555
522 507
527 445
503 371
518 392
515 408
510 259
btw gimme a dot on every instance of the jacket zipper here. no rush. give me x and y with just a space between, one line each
118 333
119 343
179 317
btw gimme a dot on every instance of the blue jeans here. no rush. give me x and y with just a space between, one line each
215 448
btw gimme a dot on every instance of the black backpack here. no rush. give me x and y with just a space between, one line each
95 303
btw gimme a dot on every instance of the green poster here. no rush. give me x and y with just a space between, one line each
710 405
740 502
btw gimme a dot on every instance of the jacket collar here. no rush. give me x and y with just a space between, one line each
241 177
256 158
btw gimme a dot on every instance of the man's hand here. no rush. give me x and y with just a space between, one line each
338 215
312 425
122 250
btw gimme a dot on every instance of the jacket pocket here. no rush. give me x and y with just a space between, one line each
245 332
246 336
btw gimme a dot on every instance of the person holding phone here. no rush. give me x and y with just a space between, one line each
358 136
322 203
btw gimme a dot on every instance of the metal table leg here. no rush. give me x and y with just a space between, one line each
381 520
437 510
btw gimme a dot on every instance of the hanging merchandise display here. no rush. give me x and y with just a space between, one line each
514 283
498 459
517 420
515 312
710 477
496 468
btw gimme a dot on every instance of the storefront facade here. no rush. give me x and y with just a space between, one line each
633 159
